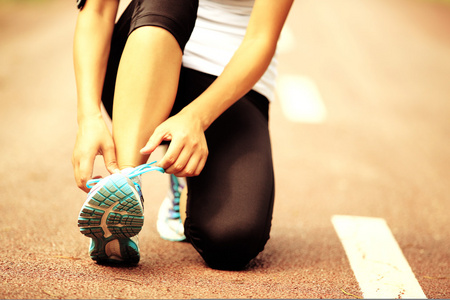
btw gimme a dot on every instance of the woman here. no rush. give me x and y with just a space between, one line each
210 104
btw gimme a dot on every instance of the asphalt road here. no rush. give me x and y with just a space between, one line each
382 68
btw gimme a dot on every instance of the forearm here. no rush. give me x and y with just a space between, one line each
239 76
248 63
92 40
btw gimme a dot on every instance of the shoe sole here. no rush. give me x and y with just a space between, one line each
114 211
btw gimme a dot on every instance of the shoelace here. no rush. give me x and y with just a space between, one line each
136 172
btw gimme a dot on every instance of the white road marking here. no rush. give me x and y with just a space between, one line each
376 259
300 99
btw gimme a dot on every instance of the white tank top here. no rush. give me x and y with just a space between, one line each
218 32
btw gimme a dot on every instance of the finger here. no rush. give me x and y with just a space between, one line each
85 172
171 156
181 162
76 171
198 161
188 171
194 166
109 156
155 140
200 165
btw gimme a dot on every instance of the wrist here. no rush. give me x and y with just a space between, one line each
88 110
197 114
86 116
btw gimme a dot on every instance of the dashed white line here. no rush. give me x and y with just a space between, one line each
376 259
300 99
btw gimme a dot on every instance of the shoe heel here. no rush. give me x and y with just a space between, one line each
114 211
114 208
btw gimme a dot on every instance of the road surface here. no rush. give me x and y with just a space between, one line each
360 131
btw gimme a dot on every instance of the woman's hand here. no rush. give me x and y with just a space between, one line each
93 138
187 153
92 40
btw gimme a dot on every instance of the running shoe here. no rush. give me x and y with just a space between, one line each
169 224
113 215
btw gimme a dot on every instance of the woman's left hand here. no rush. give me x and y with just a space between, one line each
187 153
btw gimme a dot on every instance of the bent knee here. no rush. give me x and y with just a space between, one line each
229 247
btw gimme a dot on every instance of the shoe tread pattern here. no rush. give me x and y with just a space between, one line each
123 213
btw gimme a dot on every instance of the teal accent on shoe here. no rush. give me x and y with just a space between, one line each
169 223
174 211
136 172
128 249
113 210
144 169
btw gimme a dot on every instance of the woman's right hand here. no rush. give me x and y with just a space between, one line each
93 138
92 40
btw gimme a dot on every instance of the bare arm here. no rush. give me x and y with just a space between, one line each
249 62
187 153
92 40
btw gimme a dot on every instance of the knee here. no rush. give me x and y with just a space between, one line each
228 246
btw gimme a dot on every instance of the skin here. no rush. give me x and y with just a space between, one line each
143 103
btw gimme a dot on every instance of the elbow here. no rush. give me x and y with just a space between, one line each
264 46
102 10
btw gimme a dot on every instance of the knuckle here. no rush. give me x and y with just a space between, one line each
80 185
195 144
108 148
111 163
190 173
204 149
184 135
83 180
170 160
177 168
198 171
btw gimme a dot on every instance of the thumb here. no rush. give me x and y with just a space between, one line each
109 156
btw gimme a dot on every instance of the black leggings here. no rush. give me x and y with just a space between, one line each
230 204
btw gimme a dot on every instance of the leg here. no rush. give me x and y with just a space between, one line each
146 86
183 204
143 86
229 208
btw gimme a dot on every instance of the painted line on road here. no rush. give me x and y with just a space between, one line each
300 99
376 258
